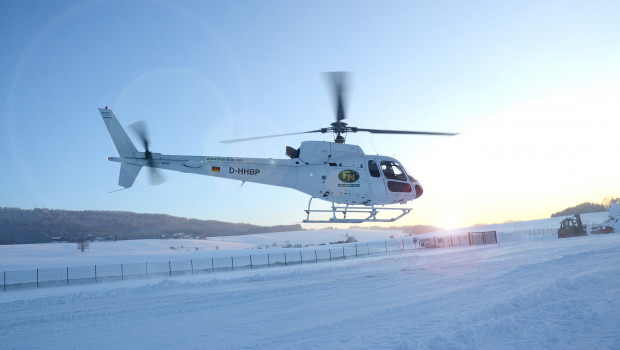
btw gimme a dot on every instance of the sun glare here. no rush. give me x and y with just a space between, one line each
449 219
527 161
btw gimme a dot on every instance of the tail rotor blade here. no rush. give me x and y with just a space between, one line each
156 177
139 128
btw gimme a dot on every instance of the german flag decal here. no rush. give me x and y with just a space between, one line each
215 169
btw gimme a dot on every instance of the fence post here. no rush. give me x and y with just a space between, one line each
37 278
67 275
251 265
4 283
284 258
316 257
232 263
301 258
343 256
122 273
169 268
146 268
192 264
212 266
367 249
95 273
268 261
356 250
403 242
330 254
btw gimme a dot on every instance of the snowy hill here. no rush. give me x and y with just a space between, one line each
529 291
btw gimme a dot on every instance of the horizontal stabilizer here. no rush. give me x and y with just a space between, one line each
128 174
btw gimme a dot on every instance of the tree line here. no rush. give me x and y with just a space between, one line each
19 226
588 207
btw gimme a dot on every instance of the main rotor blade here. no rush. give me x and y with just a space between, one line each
269 136
339 85
405 132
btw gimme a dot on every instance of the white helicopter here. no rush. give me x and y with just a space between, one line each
342 174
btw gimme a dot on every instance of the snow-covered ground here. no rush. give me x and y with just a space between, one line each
529 291
51 255
57 255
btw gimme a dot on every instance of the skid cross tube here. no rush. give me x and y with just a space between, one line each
344 210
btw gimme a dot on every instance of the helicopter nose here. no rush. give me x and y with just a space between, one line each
418 191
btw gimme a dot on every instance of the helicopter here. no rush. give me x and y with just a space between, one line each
357 185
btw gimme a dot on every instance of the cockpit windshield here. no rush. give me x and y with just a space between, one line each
408 174
393 170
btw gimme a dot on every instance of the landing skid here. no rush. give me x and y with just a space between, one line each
339 210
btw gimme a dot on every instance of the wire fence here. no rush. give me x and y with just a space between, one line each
539 231
76 275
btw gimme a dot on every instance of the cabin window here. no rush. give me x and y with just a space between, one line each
394 186
373 169
393 171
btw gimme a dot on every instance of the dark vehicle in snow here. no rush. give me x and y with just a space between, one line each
571 227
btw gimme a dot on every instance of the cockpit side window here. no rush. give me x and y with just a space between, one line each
392 170
373 169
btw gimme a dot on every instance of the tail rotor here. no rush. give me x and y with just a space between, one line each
155 175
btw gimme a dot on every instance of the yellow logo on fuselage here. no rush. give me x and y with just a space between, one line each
348 176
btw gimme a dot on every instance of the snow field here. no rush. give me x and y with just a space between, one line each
60 255
527 292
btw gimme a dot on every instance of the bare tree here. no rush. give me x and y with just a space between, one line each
83 244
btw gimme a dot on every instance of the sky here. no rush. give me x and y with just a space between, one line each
532 87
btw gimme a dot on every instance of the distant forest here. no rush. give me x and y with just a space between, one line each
19 226
588 207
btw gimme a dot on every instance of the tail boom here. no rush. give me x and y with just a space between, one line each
267 171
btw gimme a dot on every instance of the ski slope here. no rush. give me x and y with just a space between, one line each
529 291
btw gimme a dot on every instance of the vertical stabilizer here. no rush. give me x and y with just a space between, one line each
128 174
123 143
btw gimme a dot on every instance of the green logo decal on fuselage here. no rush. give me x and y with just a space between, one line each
348 176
